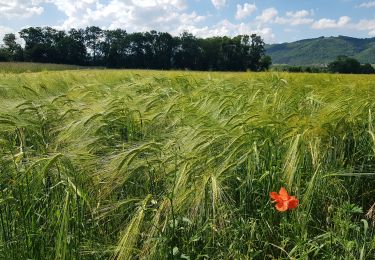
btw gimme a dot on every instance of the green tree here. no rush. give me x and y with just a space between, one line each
136 51
4 55
159 49
344 64
211 53
188 52
265 62
115 47
75 48
13 48
34 44
367 69
257 51
93 38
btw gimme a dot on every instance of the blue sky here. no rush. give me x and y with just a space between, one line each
274 20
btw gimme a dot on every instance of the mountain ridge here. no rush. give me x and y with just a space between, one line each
322 50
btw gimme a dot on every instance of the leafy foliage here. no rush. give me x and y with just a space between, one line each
149 50
304 69
344 64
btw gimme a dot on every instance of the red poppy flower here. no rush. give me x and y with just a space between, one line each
283 200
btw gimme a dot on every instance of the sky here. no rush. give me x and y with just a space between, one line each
275 20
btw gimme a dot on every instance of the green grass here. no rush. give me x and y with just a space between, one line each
179 165
21 67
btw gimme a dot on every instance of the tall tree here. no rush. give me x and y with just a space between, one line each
54 45
212 55
34 44
257 51
75 48
12 49
93 37
137 51
188 52
114 48
158 49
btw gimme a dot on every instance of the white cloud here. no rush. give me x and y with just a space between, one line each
291 18
298 14
266 33
4 30
325 23
160 15
245 10
367 4
267 15
72 7
227 28
20 8
295 18
218 3
132 15
344 22
179 4
366 25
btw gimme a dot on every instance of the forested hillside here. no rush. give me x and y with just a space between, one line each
322 50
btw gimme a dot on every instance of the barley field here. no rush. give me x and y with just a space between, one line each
126 164
25 67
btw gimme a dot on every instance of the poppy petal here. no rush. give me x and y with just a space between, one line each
274 196
293 203
282 206
283 194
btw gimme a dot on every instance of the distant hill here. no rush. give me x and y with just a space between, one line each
322 50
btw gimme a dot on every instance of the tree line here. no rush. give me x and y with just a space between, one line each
94 46
348 65
343 64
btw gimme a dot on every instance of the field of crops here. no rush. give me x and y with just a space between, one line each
179 165
21 67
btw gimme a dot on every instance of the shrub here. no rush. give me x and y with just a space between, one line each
344 64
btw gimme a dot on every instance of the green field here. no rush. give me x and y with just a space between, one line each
179 165
22 67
